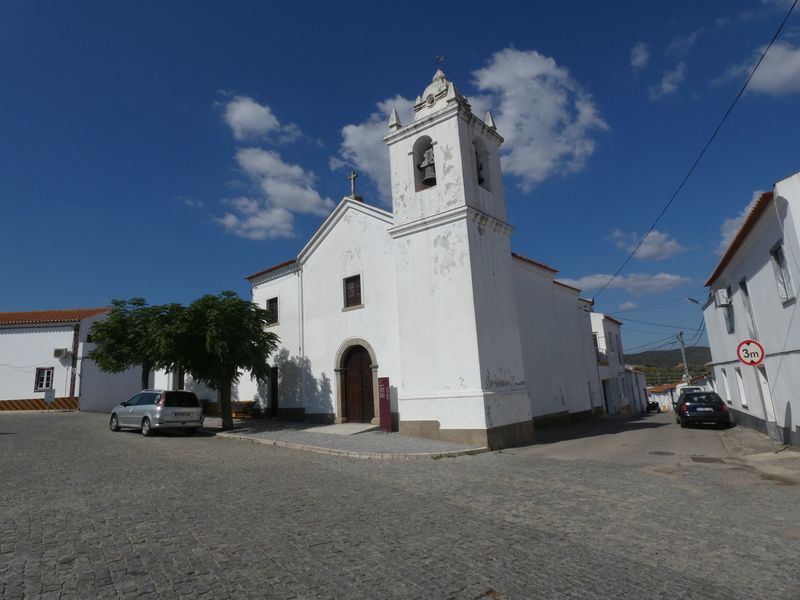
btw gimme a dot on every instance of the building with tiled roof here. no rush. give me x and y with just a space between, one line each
753 296
44 362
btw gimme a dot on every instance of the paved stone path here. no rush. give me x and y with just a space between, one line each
364 442
89 513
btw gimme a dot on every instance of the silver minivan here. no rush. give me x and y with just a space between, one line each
150 410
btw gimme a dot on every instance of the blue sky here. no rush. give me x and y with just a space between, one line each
167 149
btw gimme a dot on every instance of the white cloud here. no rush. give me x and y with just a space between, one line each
722 22
543 114
541 111
731 225
638 284
247 118
669 82
250 120
256 220
626 306
283 190
284 185
640 55
680 46
363 148
656 246
778 74
191 203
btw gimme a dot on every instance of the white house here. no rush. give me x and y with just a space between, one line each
45 354
476 342
611 364
753 295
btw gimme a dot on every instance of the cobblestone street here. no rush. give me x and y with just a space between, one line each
87 512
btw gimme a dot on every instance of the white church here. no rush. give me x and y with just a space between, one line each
477 343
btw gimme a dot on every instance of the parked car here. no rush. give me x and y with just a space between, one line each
687 390
151 410
702 407
653 406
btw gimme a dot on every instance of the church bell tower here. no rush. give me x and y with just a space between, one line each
462 371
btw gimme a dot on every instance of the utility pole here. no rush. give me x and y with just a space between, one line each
686 377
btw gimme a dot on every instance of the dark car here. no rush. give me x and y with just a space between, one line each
702 407
687 390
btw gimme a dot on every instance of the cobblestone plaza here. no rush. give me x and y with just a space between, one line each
90 513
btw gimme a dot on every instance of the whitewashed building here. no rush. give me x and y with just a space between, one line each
44 354
476 342
753 295
611 364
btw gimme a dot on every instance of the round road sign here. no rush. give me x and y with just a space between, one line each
750 352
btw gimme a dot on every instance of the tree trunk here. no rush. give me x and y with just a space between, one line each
225 408
146 368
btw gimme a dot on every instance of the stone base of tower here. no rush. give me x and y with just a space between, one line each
505 436
479 418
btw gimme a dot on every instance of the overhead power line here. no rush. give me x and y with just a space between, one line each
699 156
685 327
657 304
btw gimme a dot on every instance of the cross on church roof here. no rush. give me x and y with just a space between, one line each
352 178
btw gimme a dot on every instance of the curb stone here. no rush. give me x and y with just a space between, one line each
766 464
353 454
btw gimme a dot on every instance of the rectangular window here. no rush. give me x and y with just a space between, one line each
740 385
726 386
727 312
44 379
748 308
272 311
781 269
352 291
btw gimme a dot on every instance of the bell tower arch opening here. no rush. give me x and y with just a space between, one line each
424 163
482 165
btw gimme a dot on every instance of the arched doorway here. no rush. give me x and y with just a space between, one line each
358 401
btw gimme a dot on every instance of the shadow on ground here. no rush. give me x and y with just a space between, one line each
594 427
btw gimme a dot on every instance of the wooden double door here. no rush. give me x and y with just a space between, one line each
359 402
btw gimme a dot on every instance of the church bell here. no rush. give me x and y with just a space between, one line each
428 168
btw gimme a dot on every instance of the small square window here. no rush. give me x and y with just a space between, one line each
272 311
44 379
352 291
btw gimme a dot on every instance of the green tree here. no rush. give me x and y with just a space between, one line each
214 339
126 338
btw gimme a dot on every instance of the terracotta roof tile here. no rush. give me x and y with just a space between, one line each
748 224
70 315
285 263
534 262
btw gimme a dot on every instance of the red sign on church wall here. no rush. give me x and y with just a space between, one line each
385 404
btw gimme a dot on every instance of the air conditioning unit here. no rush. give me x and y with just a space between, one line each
721 298
61 353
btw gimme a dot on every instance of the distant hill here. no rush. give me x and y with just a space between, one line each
665 366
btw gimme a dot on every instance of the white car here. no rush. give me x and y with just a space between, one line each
150 410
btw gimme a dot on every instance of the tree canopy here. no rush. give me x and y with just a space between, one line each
213 339
216 337
124 338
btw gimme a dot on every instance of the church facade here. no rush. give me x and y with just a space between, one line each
477 342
